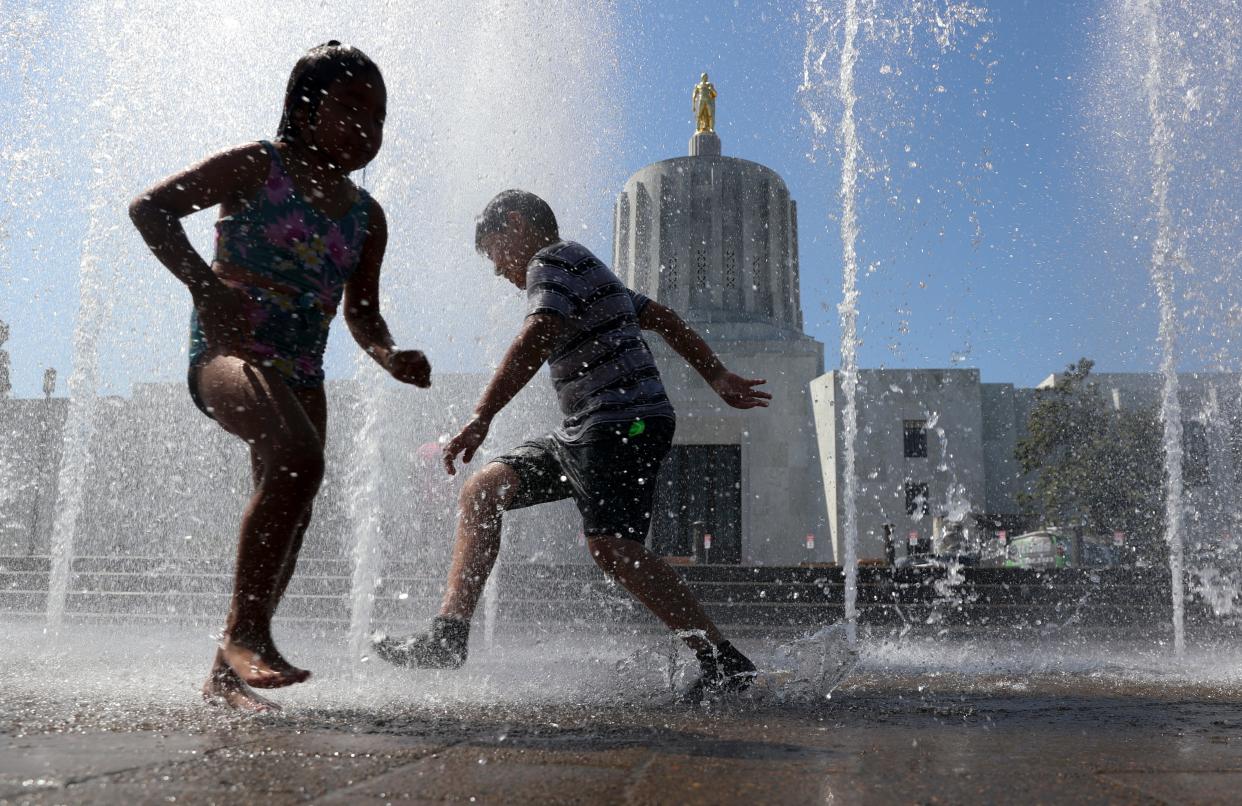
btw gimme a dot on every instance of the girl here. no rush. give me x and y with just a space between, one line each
294 234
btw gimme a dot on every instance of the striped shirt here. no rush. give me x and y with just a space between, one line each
602 369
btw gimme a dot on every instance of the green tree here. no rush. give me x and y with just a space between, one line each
1096 466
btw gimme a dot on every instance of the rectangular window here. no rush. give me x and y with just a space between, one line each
1194 453
1235 447
916 498
915 432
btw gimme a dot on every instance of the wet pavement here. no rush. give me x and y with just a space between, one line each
115 721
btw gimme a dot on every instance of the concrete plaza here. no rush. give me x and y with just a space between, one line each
114 720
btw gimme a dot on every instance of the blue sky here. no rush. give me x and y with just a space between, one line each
1036 291
998 230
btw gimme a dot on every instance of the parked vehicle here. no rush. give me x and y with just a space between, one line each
1040 549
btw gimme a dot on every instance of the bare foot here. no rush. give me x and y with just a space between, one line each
258 664
225 689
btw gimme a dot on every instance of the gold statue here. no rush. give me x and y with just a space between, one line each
703 102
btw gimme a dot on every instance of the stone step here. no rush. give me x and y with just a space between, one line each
529 572
560 590
24 564
532 593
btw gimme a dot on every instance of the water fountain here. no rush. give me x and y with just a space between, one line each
1163 260
155 513
825 85
1169 91
1165 88
364 511
444 156
814 68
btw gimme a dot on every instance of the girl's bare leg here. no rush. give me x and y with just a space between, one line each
223 685
254 404
316 407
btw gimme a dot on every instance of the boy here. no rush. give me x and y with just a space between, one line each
606 456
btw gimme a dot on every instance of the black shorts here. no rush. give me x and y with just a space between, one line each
610 473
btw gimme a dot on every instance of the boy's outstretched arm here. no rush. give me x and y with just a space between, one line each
522 360
738 392
362 309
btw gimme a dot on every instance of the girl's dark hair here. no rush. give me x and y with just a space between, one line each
310 79
495 215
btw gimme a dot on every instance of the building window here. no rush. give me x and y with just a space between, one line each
763 285
1194 453
730 269
1235 447
915 435
701 265
623 232
671 274
916 499
643 232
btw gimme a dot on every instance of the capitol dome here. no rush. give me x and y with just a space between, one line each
713 237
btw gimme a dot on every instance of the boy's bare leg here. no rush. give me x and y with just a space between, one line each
654 583
254 404
477 540
223 685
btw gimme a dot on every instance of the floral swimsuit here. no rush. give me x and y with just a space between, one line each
290 262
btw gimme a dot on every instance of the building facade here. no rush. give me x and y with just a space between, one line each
936 449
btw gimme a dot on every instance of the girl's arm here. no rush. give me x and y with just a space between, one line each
219 179
362 309
223 179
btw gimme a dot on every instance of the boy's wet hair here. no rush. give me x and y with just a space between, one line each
496 215
313 75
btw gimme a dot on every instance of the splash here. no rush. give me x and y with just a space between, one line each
453 140
1220 591
820 77
491 606
363 484
811 667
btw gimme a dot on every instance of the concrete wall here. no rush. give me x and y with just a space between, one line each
1211 402
30 446
163 480
826 405
971 461
951 403
1006 410
781 499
